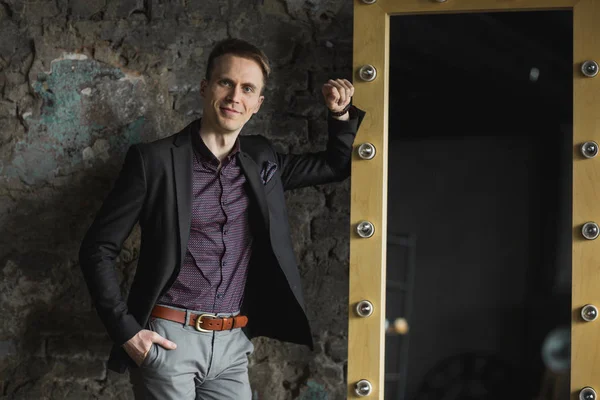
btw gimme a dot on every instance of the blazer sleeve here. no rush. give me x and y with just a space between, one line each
102 244
331 165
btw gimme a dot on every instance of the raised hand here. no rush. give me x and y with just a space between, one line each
337 94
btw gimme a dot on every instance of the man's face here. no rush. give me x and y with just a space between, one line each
232 95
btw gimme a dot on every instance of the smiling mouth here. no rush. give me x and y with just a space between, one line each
229 110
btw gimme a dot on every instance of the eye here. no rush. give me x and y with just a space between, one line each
248 89
225 82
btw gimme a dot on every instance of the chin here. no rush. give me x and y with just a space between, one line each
230 127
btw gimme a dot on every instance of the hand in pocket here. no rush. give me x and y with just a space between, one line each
138 346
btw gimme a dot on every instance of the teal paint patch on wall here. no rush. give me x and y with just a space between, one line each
58 137
134 131
315 391
131 134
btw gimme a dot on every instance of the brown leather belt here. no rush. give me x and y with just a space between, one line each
202 322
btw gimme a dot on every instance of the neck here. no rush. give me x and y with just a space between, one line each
220 144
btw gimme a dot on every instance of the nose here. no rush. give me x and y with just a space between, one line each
234 94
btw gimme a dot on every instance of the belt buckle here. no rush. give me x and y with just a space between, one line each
199 320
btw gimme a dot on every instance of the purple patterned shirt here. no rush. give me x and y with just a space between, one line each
214 271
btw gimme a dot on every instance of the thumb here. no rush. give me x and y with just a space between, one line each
161 341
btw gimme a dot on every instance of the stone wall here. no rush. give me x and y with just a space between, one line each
80 81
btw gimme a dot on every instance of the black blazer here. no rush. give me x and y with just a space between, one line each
154 189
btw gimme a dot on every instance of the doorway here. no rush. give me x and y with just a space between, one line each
479 175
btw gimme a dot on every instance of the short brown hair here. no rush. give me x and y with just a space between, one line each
240 48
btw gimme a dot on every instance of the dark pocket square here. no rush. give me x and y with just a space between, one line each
268 171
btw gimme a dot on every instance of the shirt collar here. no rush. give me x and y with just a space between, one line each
205 154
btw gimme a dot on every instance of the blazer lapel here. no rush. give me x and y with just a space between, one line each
182 172
252 175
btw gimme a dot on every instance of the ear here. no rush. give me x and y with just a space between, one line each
260 101
203 85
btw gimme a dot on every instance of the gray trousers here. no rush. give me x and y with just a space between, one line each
205 365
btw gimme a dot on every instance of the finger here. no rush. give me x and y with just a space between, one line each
341 90
348 88
161 341
335 84
344 83
331 93
145 354
141 355
140 360
329 90
343 96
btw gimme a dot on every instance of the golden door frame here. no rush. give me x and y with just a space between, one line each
366 336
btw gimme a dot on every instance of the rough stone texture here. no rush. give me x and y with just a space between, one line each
80 81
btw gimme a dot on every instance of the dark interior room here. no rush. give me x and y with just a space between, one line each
479 206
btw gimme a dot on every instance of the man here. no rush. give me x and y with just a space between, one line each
216 254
